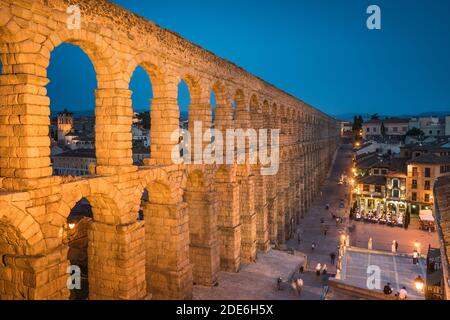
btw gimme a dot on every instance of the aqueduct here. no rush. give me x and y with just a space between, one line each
199 219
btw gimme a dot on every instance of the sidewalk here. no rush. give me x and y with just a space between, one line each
311 230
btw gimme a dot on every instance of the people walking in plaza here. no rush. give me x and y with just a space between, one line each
299 285
327 206
313 246
415 257
325 230
279 282
387 290
369 244
403 294
394 246
332 258
301 269
318 269
324 269
294 286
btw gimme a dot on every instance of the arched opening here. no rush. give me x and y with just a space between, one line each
233 105
144 201
184 102
213 104
72 103
240 110
76 237
142 95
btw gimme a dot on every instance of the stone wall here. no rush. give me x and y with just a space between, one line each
199 219
442 216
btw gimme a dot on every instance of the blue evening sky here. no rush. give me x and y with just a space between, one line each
318 50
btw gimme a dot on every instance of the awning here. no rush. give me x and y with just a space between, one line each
426 215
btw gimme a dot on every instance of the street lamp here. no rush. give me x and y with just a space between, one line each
419 283
417 246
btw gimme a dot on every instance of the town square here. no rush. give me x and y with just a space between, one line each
242 153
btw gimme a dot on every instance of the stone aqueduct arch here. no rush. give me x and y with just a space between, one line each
198 219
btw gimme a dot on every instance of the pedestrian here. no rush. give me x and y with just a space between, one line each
301 269
325 230
298 237
294 285
318 269
415 257
332 258
299 285
394 247
327 206
337 221
324 269
313 246
322 221
279 281
369 244
403 294
387 290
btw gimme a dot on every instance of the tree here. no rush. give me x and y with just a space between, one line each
357 123
383 129
415 132
375 116
360 121
145 118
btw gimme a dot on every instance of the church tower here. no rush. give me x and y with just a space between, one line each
65 124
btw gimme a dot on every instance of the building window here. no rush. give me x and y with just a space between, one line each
427 172
396 193
384 171
414 171
427 197
395 183
378 189
414 184
366 188
427 185
414 196
368 129
395 129
376 171
445 169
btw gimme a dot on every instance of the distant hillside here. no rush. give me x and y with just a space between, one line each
349 116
